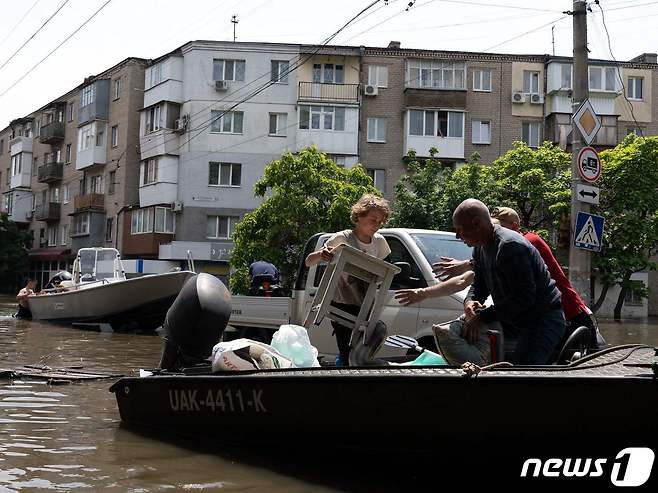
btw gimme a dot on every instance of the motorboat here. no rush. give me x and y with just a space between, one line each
99 291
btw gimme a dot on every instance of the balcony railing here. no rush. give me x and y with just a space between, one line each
321 92
52 133
50 172
89 201
50 211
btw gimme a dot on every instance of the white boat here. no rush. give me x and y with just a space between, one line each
100 292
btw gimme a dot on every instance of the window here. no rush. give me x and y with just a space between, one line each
142 221
530 82
531 133
278 124
633 296
482 80
54 195
221 227
85 137
149 171
399 253
8 177
280 70
65 194
68 153
16 164
436 75
565 76
81 224
64 234
436 123
231 70
154 75
88 94
57 155
602 78
639 131
109 226
110 187
376 129
154 118
2 146
634 89
52 236
164 220
378 75
115 135
225 174
35 165
328 73
70 112
378 178
118 85
9 204
322 118
60 116
96 184
37 127
226 122
481 132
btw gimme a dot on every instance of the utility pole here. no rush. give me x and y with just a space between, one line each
553 38
235 21
579 260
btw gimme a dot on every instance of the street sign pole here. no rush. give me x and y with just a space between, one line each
579 260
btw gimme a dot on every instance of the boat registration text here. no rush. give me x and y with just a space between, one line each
217 400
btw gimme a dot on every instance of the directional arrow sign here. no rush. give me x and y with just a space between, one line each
587 193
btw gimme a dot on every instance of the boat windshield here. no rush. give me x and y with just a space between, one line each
434 246
97 264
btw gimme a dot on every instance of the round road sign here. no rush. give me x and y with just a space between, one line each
589 164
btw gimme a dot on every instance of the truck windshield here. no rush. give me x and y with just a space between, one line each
435 246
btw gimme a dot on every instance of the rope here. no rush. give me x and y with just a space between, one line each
472 370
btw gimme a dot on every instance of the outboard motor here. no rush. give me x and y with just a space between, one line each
58 278
195 322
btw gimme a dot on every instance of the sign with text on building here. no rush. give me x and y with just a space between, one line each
221 250
589 164
588 193
587 121
589 232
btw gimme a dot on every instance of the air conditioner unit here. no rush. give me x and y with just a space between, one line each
177 206
181 124
518 97
370 90
221 85
536 98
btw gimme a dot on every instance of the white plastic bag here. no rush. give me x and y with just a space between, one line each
245 354
292 341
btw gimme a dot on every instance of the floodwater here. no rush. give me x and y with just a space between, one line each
68 437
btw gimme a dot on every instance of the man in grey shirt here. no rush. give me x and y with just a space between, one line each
507 267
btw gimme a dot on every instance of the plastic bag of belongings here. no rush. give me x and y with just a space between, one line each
245 354
456 350
292 341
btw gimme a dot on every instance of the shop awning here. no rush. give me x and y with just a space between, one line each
50 254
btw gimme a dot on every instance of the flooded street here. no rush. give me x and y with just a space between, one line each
68 437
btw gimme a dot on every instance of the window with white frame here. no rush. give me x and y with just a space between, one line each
9 204
154 75
164 220
109 227
100 136
88 95
37 127
54 195
634 88
378 75
436 123
60 116
149 171
118 86
96 184
52 235
115 135
224 174
565 76
17 164
280 70
435 74
378 178
482 79
226 122
322 118
221 227
602 79
65 194
80 224
531 82
531 133
376 129
86 137
70 112
278 124
230 70
142 221
64 235
154 118
481 132
328 73
68 153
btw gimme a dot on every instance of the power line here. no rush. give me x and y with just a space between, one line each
527 32
480 4
19 22
34 34
55 49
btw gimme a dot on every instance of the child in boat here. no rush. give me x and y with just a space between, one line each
368 215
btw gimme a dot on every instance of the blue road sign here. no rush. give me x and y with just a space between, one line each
589 232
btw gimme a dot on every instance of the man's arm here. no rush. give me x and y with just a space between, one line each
446 288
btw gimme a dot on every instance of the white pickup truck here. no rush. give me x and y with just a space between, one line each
258 317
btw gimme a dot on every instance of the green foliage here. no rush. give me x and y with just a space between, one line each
303 194
13 254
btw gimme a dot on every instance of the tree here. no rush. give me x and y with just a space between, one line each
303 194
13 254
629 204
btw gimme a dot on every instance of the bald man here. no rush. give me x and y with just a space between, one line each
507 267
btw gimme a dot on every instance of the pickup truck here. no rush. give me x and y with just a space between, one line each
258 317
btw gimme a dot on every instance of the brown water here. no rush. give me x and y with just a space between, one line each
68 437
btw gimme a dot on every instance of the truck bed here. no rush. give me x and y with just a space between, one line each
260 311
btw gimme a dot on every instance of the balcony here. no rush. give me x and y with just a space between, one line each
326 93
20 144
50 172
50 211
53 133
159 143
89 201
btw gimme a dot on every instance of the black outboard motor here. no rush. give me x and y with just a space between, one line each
195 322
57 278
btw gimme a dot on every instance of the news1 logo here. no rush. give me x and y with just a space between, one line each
631 467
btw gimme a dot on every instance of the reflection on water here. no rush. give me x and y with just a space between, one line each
67 437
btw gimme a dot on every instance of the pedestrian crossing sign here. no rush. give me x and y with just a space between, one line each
589 232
